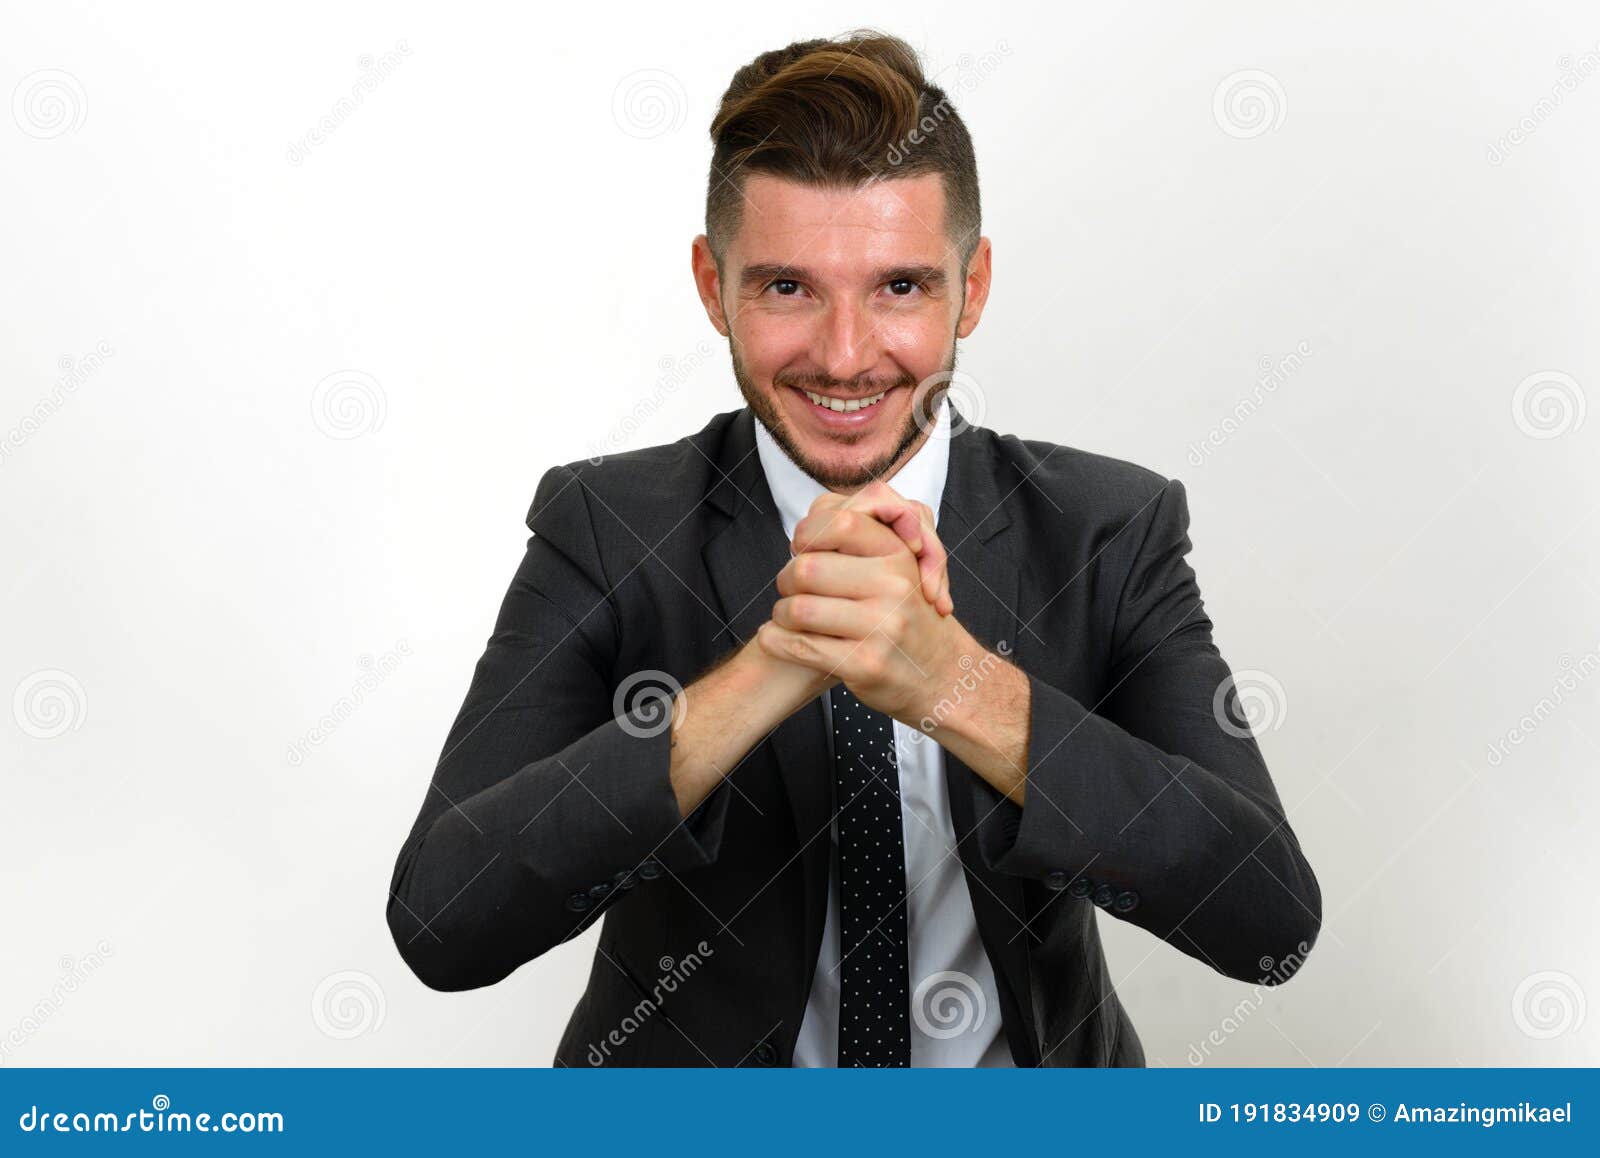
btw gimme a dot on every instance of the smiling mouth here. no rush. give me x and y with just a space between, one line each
840 405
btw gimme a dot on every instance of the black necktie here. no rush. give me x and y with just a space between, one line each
874 996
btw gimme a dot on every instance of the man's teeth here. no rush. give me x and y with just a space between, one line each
844 407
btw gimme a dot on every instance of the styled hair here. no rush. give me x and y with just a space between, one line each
837 114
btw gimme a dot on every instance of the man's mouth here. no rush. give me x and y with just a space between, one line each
843 406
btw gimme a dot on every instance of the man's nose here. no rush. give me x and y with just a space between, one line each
848 342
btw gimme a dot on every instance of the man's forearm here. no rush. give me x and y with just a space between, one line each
984 721
728 711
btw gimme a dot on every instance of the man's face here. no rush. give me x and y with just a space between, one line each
843 298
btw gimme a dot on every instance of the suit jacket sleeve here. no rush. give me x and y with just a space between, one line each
543 793
1148 803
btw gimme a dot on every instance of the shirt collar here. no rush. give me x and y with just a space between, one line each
920 479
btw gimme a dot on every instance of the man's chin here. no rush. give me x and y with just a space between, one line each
840 466
843 473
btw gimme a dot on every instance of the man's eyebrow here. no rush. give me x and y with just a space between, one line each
760 274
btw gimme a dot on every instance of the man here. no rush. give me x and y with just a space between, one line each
956 692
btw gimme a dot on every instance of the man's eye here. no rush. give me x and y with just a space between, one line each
902 286
779 285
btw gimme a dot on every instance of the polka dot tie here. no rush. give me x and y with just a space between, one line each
874 994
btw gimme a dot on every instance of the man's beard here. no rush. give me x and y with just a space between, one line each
767 411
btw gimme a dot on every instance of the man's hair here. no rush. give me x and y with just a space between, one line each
837 114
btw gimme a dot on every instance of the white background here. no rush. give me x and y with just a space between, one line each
499 237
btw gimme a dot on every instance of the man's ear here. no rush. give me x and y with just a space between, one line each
976 288
708 282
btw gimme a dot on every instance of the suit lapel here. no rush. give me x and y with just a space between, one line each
985 586
743 561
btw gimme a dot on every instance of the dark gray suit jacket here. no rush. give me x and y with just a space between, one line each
551 807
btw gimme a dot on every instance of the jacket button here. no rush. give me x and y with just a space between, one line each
1126 902
1055 879
623 880
766 1053
1104 895
598 892
649 870
1080 888
579 903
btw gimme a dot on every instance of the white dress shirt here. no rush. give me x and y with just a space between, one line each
955 1008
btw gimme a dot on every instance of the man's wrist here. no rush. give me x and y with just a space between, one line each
984 717
764 674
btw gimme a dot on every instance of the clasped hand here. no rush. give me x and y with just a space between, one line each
866 602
